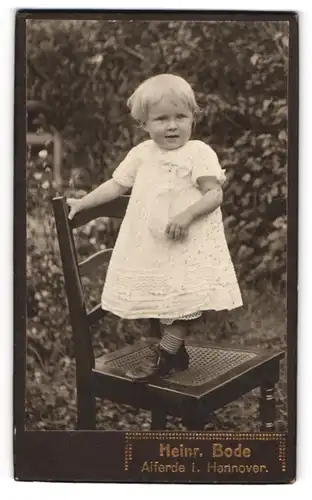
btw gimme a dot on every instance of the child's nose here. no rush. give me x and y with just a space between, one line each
172 124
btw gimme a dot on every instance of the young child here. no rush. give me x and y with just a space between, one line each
171 259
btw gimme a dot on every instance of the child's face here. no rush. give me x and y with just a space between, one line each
169 123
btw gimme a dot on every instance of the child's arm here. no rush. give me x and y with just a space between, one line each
211 199
108 191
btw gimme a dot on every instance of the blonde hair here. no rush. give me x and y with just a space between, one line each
154 89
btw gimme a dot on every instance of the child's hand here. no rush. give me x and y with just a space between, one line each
177 229
74 205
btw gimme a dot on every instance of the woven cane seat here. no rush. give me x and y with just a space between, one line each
206 363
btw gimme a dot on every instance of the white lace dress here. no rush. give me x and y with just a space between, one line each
151 276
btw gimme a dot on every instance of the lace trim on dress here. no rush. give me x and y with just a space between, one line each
186 317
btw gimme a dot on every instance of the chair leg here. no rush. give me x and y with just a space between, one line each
86 411
195 423
158 420
267 408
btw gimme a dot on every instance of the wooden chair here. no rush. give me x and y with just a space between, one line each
217 374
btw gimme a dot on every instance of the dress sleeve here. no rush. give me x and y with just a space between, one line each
126 171
206 164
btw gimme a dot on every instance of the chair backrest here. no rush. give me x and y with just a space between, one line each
81 319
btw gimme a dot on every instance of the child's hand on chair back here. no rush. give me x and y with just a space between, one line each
75 206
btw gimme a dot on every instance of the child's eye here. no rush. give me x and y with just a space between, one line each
160 118
180 116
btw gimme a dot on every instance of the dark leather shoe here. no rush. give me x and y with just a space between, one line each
160 364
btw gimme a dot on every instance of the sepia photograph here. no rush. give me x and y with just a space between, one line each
156 184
